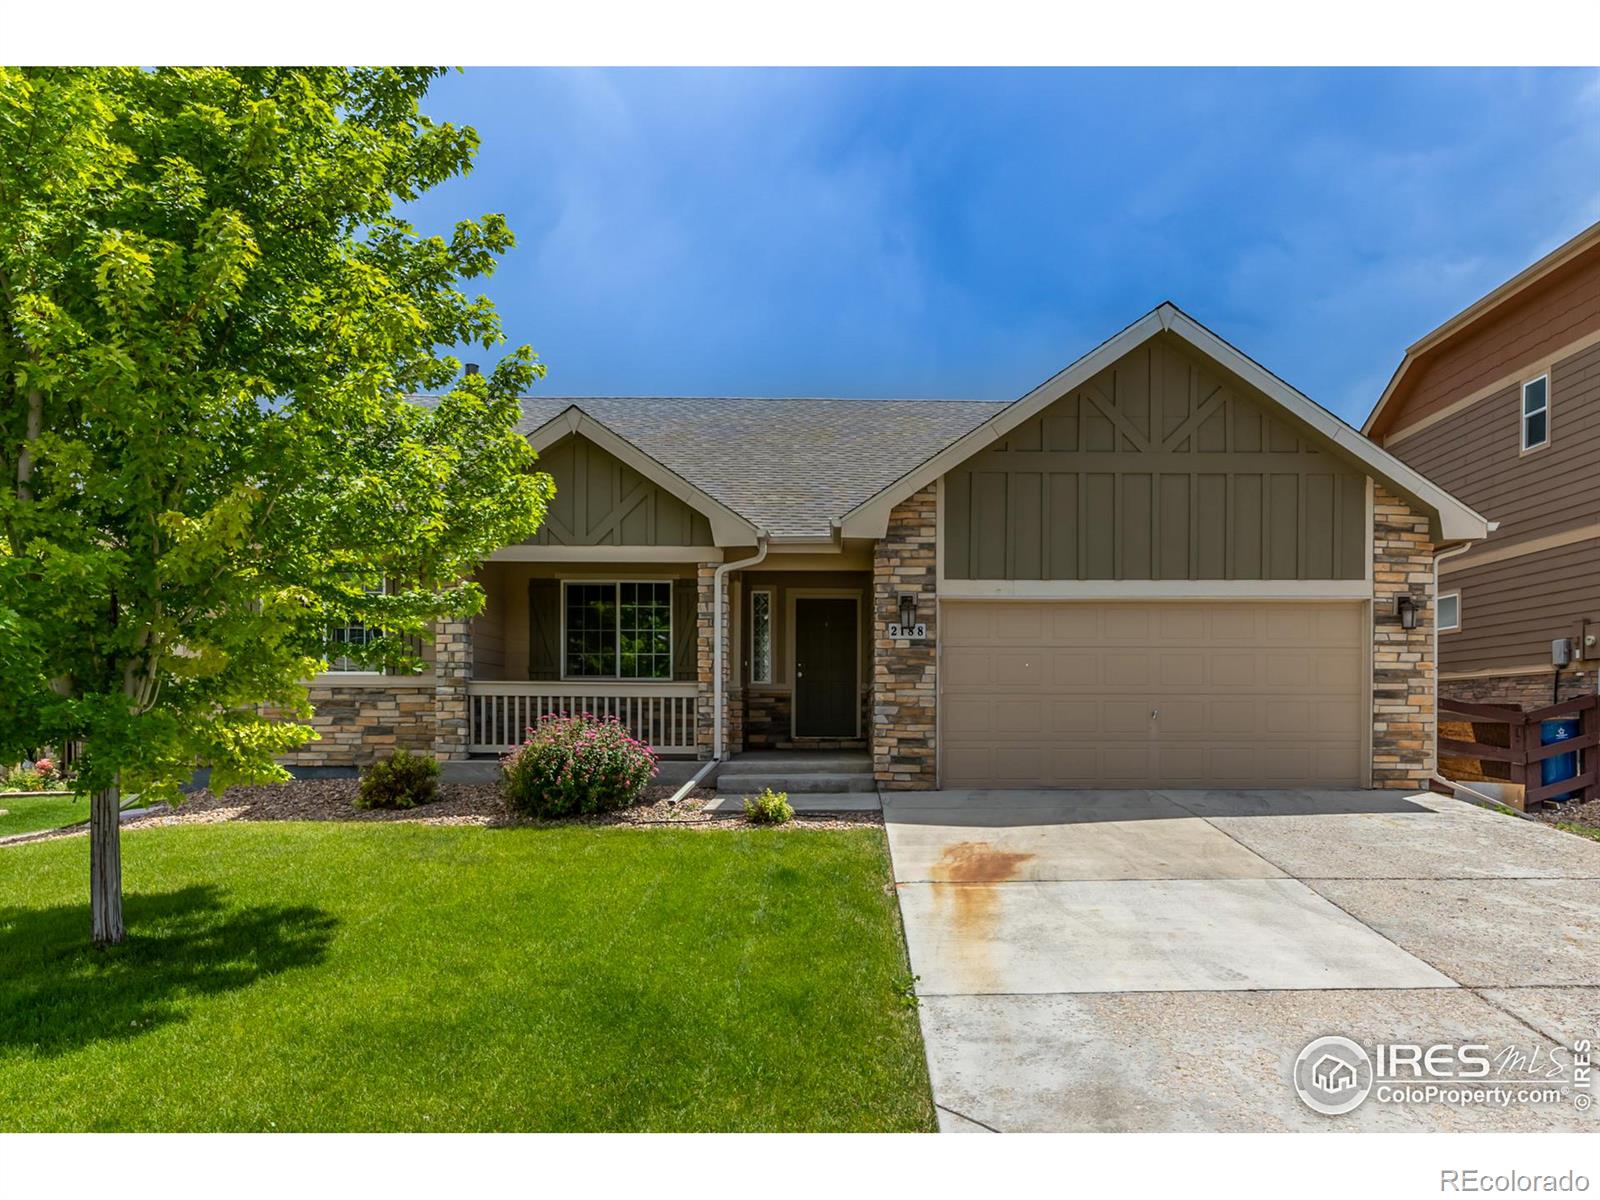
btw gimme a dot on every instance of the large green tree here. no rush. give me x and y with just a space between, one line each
211 316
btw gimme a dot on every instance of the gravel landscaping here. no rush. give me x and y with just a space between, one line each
458 804
1585 813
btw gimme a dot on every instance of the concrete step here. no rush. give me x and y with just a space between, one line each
816 803
773 763
796 782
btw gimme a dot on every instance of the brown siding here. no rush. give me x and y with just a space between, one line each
601 501
1476 455
1559 311
1161 467
1511 610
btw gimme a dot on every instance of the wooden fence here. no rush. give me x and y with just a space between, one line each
1523 753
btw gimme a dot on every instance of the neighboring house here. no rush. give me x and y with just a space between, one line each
1163 566
1501 405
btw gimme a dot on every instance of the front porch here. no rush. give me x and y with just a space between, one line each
500 711
632 639
630 632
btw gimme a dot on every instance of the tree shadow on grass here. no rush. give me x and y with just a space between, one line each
57 993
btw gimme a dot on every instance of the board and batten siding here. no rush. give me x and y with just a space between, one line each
1161 467
601 501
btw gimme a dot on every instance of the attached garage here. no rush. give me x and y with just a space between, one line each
1163 567
1153 694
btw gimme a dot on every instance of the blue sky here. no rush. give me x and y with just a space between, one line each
967 233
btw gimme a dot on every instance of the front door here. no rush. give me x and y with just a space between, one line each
825 646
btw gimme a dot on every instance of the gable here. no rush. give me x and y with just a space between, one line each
1449 520
602 501
1159 466
1549 309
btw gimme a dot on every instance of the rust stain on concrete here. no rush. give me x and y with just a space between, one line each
975 867
977 862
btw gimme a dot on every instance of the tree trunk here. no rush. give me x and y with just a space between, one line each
105 866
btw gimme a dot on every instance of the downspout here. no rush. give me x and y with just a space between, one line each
1437 559
717 621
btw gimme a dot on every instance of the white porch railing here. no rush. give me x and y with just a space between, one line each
500 713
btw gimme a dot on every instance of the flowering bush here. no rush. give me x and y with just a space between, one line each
42 776
22 779
572 765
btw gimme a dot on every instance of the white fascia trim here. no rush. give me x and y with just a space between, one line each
1155 589
1456 521
728 528
608 554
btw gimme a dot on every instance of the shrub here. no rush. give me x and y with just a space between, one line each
574 765
23 779
769 808
403 780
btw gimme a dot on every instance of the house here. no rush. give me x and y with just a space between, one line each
1333 1075
1162 566
1501 405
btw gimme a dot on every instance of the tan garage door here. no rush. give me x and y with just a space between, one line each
1183 694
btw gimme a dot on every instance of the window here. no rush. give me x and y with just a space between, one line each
1449 612
351 633
1536 412
618 631
760 637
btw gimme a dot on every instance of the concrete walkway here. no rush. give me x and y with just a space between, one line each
1156 960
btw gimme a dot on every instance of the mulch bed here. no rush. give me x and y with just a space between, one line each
458 804
1572 812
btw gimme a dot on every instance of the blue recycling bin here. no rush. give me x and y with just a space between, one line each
1558 766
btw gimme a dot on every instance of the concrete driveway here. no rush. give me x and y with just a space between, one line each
1149 960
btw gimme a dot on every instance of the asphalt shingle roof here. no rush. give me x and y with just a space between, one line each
787 466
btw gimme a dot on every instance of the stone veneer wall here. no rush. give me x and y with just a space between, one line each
705 731
1525 691
452 641
363 722
766 718
904 682
1402 659
359 723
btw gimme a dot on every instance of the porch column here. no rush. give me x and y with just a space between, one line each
452 667
904 673
733 687
704 726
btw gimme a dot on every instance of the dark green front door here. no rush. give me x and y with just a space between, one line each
825 638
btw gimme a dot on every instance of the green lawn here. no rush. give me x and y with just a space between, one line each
30 814
344 977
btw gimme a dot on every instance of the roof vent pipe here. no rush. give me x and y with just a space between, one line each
472 368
